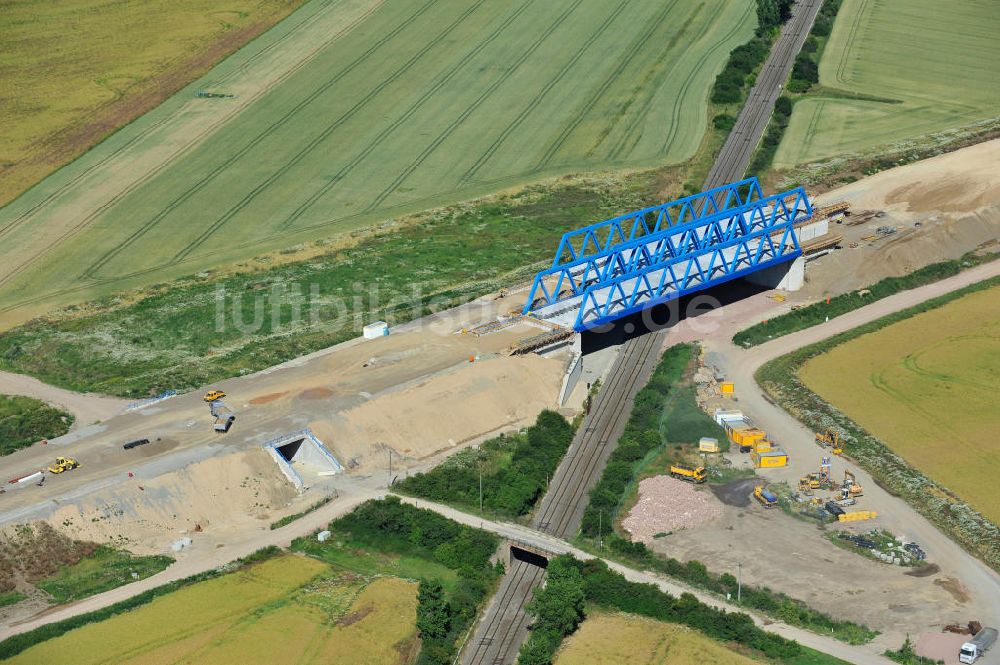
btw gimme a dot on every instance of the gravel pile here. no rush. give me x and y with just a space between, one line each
667 504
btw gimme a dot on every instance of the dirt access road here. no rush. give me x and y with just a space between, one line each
87 408
979 583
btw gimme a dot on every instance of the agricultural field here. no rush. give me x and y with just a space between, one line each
902 57
925 386
115 60
353 112
316 614
611 639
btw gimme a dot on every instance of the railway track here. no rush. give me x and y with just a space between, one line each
504 627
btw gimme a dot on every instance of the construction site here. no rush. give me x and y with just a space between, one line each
195 484
202 474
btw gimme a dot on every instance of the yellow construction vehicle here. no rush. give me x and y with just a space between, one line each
831 438
805 487
213 395
767 498
63 464
688 473
851 488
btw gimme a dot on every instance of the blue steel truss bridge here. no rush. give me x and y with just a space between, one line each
615 268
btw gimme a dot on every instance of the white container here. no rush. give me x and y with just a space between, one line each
721 416
323 536
377 329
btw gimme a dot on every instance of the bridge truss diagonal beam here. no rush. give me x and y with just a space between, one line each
772 240
599 237
571 280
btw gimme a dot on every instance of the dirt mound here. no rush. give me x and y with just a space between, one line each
446 410
222 495
667 504
34 551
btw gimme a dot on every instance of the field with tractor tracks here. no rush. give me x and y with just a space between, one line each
350 112
115 60
923 66
610 639
316 615
926 387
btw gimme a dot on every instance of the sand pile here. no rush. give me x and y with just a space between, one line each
667 504
448 409
213 497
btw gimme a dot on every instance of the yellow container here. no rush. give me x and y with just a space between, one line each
769 459
727 387
748 437
762 446
858 516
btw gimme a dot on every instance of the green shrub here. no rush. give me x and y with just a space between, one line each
24 421
515 470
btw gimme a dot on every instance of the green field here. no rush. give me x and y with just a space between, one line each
402 106
924 386
115 60
935 61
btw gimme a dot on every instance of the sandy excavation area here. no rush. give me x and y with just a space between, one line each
794 556
667 505
941 207
431 415
207 500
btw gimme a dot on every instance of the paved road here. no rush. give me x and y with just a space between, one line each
563 505
734 158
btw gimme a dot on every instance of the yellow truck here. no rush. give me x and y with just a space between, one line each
689 473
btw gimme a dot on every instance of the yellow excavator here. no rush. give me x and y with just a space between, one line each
851 489
63 464
831 438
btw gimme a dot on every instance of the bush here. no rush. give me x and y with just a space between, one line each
515 470
558 610
723 121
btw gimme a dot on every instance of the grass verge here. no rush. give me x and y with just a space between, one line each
106 568
953 516
11 598
288 519
818 312
24 421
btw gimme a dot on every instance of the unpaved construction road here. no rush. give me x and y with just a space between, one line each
87 408
981 583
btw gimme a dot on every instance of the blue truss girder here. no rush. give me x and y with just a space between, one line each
670 243
675 277
600 237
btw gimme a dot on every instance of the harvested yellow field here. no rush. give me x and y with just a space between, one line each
612 639
292 603
926 386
